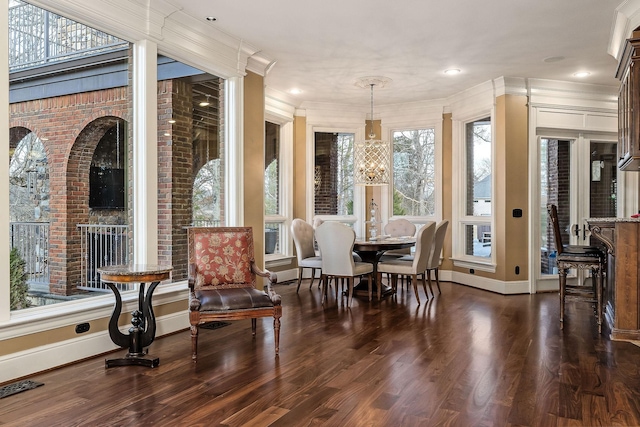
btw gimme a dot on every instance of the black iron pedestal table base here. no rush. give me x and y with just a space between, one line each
143 321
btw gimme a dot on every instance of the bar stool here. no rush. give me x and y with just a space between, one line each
580 258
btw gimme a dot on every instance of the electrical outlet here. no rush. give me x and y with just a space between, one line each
82 327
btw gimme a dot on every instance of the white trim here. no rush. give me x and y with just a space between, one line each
474 264
45 318
38 359
234 152
145 153
5 306
488 284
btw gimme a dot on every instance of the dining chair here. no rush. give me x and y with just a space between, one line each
336 246
579 257
434 256
222 279
400 227
415 267
304 240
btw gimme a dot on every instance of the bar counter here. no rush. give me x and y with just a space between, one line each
621 236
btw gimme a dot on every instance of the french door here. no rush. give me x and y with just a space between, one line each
579 175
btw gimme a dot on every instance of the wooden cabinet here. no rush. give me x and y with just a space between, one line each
621 236
629 105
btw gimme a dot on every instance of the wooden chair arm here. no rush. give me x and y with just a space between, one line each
194 302
272 280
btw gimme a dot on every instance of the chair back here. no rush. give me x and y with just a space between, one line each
335 241
438 242
400 227
552 210
424 241
303 235
222 256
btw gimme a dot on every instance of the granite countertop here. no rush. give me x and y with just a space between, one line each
613 219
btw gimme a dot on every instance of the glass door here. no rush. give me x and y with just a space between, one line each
579 176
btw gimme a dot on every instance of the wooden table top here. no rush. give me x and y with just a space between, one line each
383 244
134 273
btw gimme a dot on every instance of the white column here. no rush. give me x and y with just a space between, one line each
145 152
4 166
234 152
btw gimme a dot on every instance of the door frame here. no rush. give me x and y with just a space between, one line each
580 141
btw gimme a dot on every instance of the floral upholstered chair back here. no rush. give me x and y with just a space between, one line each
222 256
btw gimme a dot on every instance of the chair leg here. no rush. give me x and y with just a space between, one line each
194 342
350 281
427 274
253 326
323 282
414 281
562 277
276 330
435 272
300 270
424 285
313 276
599 291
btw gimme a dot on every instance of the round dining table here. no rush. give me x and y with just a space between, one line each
371 251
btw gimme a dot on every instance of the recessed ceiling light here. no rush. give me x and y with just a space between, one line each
172 121
204 103
452 71
167 134
295 91
211 18
581 74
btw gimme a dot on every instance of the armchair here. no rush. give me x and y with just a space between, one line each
222 281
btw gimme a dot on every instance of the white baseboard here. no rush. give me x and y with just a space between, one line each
34 360
487 284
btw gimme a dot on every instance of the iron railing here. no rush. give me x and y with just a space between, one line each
102 245
38 37
32 241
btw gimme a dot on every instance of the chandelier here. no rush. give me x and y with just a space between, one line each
372 156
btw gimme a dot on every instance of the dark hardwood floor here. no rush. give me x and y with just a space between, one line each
465 358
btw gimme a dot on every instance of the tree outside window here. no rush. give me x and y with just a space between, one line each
414 173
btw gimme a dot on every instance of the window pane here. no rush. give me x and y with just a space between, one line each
69 161
414 172
478 240
333 173
272 169
478 149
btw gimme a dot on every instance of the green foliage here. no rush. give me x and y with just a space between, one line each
397 203
17 281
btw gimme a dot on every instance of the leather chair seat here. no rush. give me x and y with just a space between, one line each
232 299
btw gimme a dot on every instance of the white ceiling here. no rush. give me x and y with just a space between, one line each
322 47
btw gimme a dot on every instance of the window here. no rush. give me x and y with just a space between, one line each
477 216
333 173
68 159
272 166
414 175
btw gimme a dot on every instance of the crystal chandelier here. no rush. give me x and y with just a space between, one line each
372 156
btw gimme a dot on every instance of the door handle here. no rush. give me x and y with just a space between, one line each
575 230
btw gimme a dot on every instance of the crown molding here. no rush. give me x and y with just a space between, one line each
626 18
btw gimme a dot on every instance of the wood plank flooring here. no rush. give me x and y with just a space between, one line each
464 358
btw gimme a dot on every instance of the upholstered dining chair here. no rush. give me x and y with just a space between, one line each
336 246
304 240
415 267
223 281
434 256
590 258
400 227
